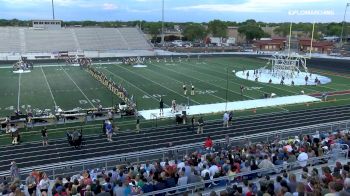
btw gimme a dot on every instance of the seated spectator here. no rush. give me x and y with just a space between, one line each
266 163
183 180
292 184
208 143
277 184
302 158
334 188
214 171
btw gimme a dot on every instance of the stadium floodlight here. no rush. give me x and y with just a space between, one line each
342 29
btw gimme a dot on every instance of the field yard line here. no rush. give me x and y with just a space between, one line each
275 86
212 83
300 87
330 88
78 87
158 84
234 91
19 91
135 86
209 83
182 83
48 85
320 71
250 81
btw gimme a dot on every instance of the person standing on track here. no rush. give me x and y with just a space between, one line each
200 125
230 116
173 106
44 136
193 120
185 89
138 124
225 119
161 107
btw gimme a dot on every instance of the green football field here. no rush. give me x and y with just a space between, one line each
71 87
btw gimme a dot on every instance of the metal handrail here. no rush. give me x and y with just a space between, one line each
158 151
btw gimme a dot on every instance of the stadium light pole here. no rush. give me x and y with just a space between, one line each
162 36
342 29
53 10
112 94
226 89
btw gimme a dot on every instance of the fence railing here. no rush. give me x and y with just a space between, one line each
108 162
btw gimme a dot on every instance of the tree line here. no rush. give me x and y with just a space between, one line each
251 29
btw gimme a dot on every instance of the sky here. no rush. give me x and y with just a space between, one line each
179 10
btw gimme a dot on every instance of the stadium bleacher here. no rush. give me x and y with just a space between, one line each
27 155
230 168
27 40
9 40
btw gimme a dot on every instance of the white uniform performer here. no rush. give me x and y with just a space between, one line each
192 89
185 89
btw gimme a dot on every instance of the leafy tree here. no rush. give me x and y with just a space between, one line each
251 32
282 30
194 32
154 29
334 29
217 28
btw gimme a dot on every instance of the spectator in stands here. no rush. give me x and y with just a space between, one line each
109 131
205 171
334 188
104 192
302 158
292 184
44 136
138 124
245 187
44 185
227 161
225 119
346 190
277 185
208 144
31 184
214 171
266 163
97 187
14 171
230 116
183 180
266 181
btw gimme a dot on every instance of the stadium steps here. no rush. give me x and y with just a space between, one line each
74 35
27 40
34 154
22 38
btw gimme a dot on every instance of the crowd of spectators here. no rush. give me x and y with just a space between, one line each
213 161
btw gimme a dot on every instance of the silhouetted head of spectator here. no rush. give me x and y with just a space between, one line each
279 179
